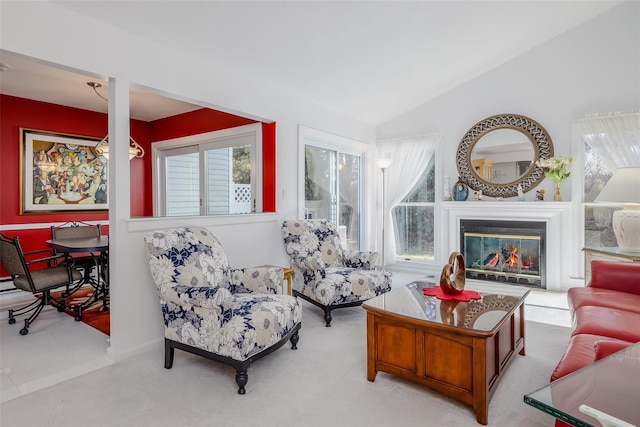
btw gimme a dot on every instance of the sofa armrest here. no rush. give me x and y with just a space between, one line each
262 280
204 296
361 259
617 276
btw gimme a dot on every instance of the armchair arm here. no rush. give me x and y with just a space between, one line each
39 251
313 264
205 296
262 280
51 260
361 259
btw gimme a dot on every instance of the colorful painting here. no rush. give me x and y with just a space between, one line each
61 173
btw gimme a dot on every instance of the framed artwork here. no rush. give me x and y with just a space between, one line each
61 172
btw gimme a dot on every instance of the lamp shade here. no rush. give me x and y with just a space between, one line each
624 187
135 150
383 163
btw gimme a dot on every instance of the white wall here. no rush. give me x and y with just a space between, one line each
593 68
590 69
48 32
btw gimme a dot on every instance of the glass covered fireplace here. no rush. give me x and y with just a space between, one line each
504 251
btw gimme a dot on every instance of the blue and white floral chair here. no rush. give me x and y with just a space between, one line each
326 274
233 316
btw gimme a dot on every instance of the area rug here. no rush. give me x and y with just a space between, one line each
93 316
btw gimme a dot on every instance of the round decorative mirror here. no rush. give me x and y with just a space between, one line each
500 152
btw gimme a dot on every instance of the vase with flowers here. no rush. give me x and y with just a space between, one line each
556 170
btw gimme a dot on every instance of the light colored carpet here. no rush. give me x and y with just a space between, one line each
323 383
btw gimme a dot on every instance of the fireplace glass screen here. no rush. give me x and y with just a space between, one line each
504 254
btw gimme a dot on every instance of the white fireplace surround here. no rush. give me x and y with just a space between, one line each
556 215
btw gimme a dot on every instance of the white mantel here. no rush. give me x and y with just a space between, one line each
556 215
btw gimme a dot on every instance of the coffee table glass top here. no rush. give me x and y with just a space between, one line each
484 314
610 387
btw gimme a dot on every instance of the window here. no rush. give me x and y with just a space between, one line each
332 191
333 182
409 197
210 174
598 231
608 141
413 219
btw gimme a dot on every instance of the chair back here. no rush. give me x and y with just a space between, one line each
189 256
70 230
313 237
12 259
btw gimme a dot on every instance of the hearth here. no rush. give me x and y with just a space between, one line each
505 251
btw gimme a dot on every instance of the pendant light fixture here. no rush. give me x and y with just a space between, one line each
102 148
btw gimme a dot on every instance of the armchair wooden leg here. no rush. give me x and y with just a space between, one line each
294 340
327 316
168 354
241 379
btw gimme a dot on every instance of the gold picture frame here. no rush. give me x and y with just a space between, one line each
61 173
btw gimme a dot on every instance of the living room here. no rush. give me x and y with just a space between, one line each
589 69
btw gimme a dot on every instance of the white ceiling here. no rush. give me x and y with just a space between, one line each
370 60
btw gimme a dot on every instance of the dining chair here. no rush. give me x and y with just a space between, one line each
78 229
36 275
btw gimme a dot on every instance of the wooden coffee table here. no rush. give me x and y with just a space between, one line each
458 348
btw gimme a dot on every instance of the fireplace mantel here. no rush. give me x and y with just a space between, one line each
556 215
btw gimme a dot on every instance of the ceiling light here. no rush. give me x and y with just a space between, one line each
102 148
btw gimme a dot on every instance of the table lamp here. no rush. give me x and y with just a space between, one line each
624 187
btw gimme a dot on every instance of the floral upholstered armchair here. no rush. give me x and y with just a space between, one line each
233 316
326 274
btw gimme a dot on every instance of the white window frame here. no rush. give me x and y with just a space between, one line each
208 141
401 260
340 144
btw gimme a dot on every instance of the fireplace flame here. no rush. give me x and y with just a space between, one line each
493 261
512 259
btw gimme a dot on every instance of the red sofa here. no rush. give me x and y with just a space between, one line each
605 315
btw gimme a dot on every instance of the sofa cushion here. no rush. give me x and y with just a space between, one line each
580 297
580 353
607 322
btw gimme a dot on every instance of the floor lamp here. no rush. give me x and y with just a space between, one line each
383 164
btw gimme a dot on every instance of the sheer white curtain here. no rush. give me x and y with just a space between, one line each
409 158
614 137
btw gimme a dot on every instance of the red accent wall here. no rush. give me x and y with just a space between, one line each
20 112
194 123
141 196
16 113
269 167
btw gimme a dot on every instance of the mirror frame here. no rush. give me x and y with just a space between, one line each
542 145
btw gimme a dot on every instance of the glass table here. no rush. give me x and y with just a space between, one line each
606 393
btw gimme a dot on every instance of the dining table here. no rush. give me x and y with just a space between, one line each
98 249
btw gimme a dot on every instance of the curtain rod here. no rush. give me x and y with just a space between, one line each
605 115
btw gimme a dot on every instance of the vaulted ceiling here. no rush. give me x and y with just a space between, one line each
370 60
